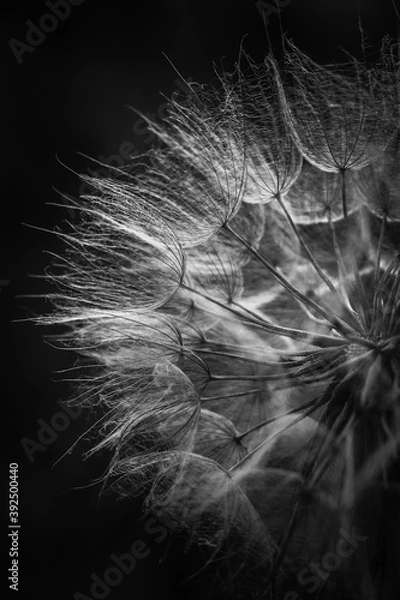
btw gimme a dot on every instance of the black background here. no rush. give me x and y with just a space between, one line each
71 94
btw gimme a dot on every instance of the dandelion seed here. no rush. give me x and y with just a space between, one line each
272 159
341 118
316 197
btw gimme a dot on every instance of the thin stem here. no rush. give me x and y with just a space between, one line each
270 377
349 471
299 334
319 340
271 437
249 352
255 361
225 396
342 271
379 250
361 300
331 440
377 286
294 410
307 374
390 311
336 322
344 193
379 308
312 258
299 379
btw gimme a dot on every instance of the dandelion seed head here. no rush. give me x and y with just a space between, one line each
237 302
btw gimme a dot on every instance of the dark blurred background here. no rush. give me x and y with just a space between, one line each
71 93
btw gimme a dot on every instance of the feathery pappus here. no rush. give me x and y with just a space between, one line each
235 299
